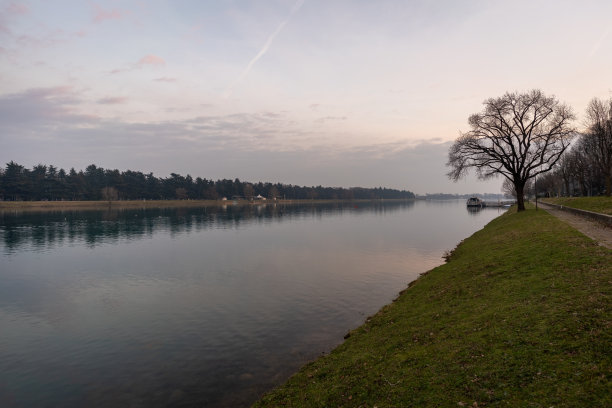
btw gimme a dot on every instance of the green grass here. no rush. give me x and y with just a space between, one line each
601 204
519 317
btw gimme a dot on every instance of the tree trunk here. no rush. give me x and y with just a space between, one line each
567 186
520 198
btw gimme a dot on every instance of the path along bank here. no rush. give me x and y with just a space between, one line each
519 316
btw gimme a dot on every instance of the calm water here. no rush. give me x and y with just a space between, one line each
199 307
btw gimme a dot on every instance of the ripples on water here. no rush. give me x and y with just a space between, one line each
199 306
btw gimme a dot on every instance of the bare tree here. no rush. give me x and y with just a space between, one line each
508 190
273 192
248 191
565 172
599 136
517 136
109 194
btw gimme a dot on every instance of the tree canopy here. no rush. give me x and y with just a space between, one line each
517 136
44 182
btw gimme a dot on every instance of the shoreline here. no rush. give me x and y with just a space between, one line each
519 313
17 206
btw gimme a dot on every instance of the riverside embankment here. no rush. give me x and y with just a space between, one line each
519 316
18 206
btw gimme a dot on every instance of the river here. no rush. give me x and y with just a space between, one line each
200 306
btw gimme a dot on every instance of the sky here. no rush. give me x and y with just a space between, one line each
308 92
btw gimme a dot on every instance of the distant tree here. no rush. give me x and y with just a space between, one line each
38 182
508 188
248 190
273 192
16 184
599 136
181 193
518 136
96 183
109 194
582 166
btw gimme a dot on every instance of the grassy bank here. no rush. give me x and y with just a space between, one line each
519 317
102 205
601 204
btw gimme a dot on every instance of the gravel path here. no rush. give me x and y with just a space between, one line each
592 229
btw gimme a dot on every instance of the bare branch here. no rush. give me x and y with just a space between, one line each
517 136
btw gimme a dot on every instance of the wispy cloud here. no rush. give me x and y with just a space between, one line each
112 100
17 8
331 119
101 14
147 60
46 107
165 79
151 60
264 49
13 9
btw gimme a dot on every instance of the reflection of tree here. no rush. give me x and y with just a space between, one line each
40 230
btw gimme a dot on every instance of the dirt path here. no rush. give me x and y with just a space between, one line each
592 229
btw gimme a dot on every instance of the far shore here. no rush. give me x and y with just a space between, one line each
134 204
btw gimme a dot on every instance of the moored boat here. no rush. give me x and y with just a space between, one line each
475 202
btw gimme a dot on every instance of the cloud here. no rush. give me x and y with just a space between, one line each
17 8
13 9
151 60
102 15
54 113
263 50
112 100
165 79
41 107
119 70
331 118
44 125
147 60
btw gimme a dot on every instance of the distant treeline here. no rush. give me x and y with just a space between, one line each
446 196
47 182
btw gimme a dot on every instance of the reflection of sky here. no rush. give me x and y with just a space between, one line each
275 289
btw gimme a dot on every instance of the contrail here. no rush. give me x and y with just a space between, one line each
598 44
264 49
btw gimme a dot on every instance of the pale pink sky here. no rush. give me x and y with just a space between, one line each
337 93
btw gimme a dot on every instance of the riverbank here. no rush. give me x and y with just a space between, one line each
519 316
134 204
600 204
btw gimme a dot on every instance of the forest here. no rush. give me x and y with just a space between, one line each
48 183
584 170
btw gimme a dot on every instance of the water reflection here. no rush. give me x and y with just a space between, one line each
494 209
201 306
43 230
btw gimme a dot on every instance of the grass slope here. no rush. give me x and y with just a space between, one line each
519 317
601 204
